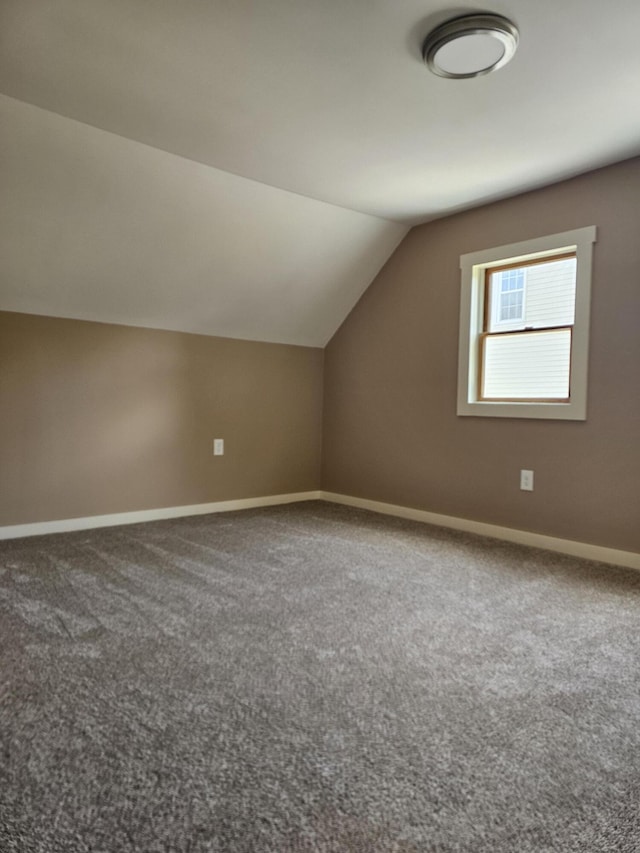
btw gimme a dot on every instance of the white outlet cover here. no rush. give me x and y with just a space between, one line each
218 446
526 480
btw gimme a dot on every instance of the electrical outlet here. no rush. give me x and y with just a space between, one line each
526 480
218 446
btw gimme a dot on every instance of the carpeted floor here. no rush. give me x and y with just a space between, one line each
314 678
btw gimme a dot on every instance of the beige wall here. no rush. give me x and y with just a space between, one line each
390 429
98 418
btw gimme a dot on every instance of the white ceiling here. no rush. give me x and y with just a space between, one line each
245 168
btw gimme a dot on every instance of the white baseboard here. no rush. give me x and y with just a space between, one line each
15 531
522 537
599 553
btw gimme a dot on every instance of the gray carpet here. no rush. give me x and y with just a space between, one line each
314 678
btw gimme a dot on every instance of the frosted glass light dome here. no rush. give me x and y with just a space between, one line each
470 46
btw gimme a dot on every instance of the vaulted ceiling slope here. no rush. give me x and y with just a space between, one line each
245 168
97 227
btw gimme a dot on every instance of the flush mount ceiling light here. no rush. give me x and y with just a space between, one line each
470 46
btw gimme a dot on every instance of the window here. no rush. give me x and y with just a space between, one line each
524 326
507 296
525 353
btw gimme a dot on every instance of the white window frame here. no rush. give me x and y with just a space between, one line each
473 266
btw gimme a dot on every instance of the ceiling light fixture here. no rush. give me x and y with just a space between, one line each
470 46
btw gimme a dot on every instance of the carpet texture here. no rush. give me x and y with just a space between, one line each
314 678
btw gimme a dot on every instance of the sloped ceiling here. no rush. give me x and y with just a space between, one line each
245 168
98 227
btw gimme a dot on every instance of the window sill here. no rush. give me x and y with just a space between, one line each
546 411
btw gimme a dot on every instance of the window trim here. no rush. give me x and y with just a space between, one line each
473 266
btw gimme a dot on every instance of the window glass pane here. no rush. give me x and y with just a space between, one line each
527 365
512 279
551 293
511 305
507 295
545 296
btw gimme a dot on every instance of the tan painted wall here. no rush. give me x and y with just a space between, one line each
98 418
390 428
